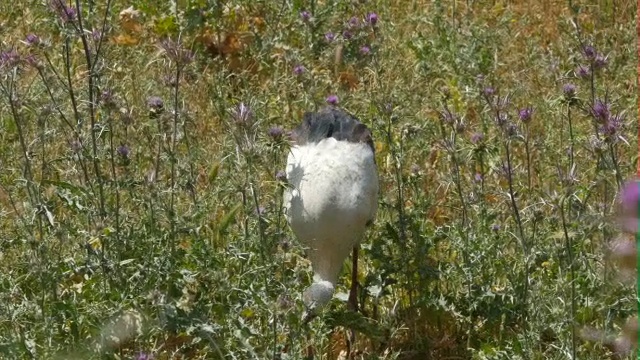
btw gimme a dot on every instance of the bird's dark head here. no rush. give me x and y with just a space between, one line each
331 122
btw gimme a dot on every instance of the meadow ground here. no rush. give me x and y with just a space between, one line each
140 194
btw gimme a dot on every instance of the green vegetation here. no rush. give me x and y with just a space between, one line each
141 215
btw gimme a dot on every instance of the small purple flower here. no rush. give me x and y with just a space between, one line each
347 35
365 50
478 177
600 111
477 138
600 62
298 70
33 61
96 34
155 103
589 52
495 227
525 114
123 151
488 91
612 126
332 100
9 58
628 211
144 356
305 16
372 18
569 91
32 40
281 176
329 37
276 133
583 72
353 22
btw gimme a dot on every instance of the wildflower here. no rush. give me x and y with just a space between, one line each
155 103
33 61
628 210
478 177
347 35
600 62
477 138
495 227
332 100
281 176
126 117
612 126
276 133
123 151
298 70
501 119
372 18
144 356
96 34
107 99
569 91
600 111
329 37
512 130
525 114
242 114
176 52
32 40
9 58
365 50
305 16
589 52
583 72
488 91
353 22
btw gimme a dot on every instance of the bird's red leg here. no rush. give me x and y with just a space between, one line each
353 294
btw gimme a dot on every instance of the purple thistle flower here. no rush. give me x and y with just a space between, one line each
144 356
353 22
347 35
365 50
477 138
525 114
298 70
600 111
495 227
155 103
123 151
33 61
488 91
177 52
281 176
372 18
9 58
589 52
32 40
628 210
332 100
612 126
583 72
569 91
242 114
600 62
305 16
329 36
276 133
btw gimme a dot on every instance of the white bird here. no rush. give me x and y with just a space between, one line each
332 196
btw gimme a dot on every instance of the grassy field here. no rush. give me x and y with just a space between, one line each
141 201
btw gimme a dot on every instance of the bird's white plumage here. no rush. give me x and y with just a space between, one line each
332 196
